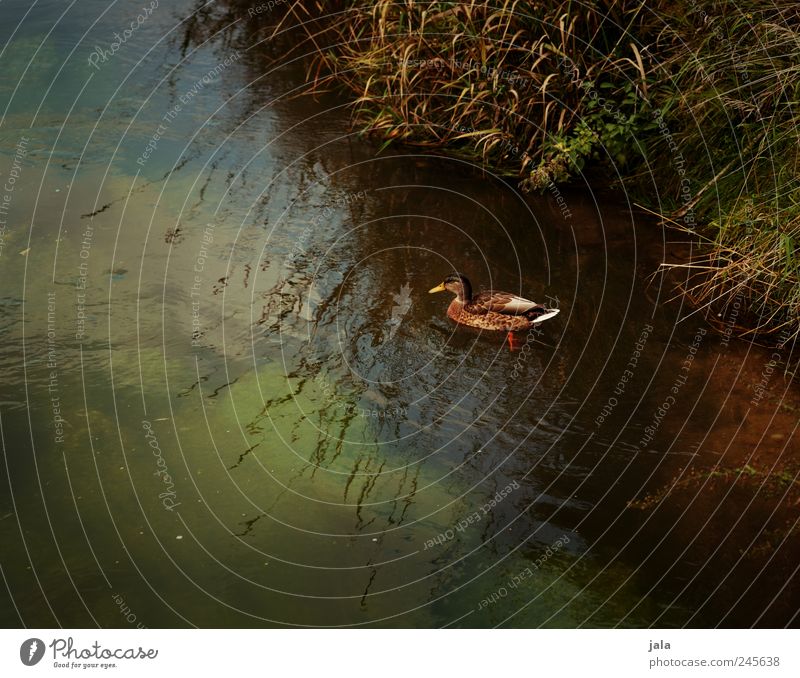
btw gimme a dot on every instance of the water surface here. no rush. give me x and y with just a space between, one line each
228 399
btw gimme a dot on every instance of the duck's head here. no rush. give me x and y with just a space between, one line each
457 284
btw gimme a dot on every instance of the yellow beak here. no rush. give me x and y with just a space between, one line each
439 288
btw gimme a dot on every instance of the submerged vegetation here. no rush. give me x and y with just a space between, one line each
691 104
783 483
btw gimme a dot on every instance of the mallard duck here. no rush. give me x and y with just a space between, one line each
490 309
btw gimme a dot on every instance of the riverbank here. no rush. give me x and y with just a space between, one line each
688 105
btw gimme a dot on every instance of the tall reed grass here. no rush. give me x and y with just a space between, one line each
693 103
730 86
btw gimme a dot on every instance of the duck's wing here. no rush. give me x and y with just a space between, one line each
504 302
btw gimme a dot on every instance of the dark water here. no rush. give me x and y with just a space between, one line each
228 400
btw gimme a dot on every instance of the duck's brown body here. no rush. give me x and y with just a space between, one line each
492 310
468 314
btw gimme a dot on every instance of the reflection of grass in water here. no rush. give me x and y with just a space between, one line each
268 476
294 438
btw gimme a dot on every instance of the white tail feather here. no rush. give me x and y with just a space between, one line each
546 316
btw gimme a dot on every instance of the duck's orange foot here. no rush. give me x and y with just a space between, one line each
511 344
